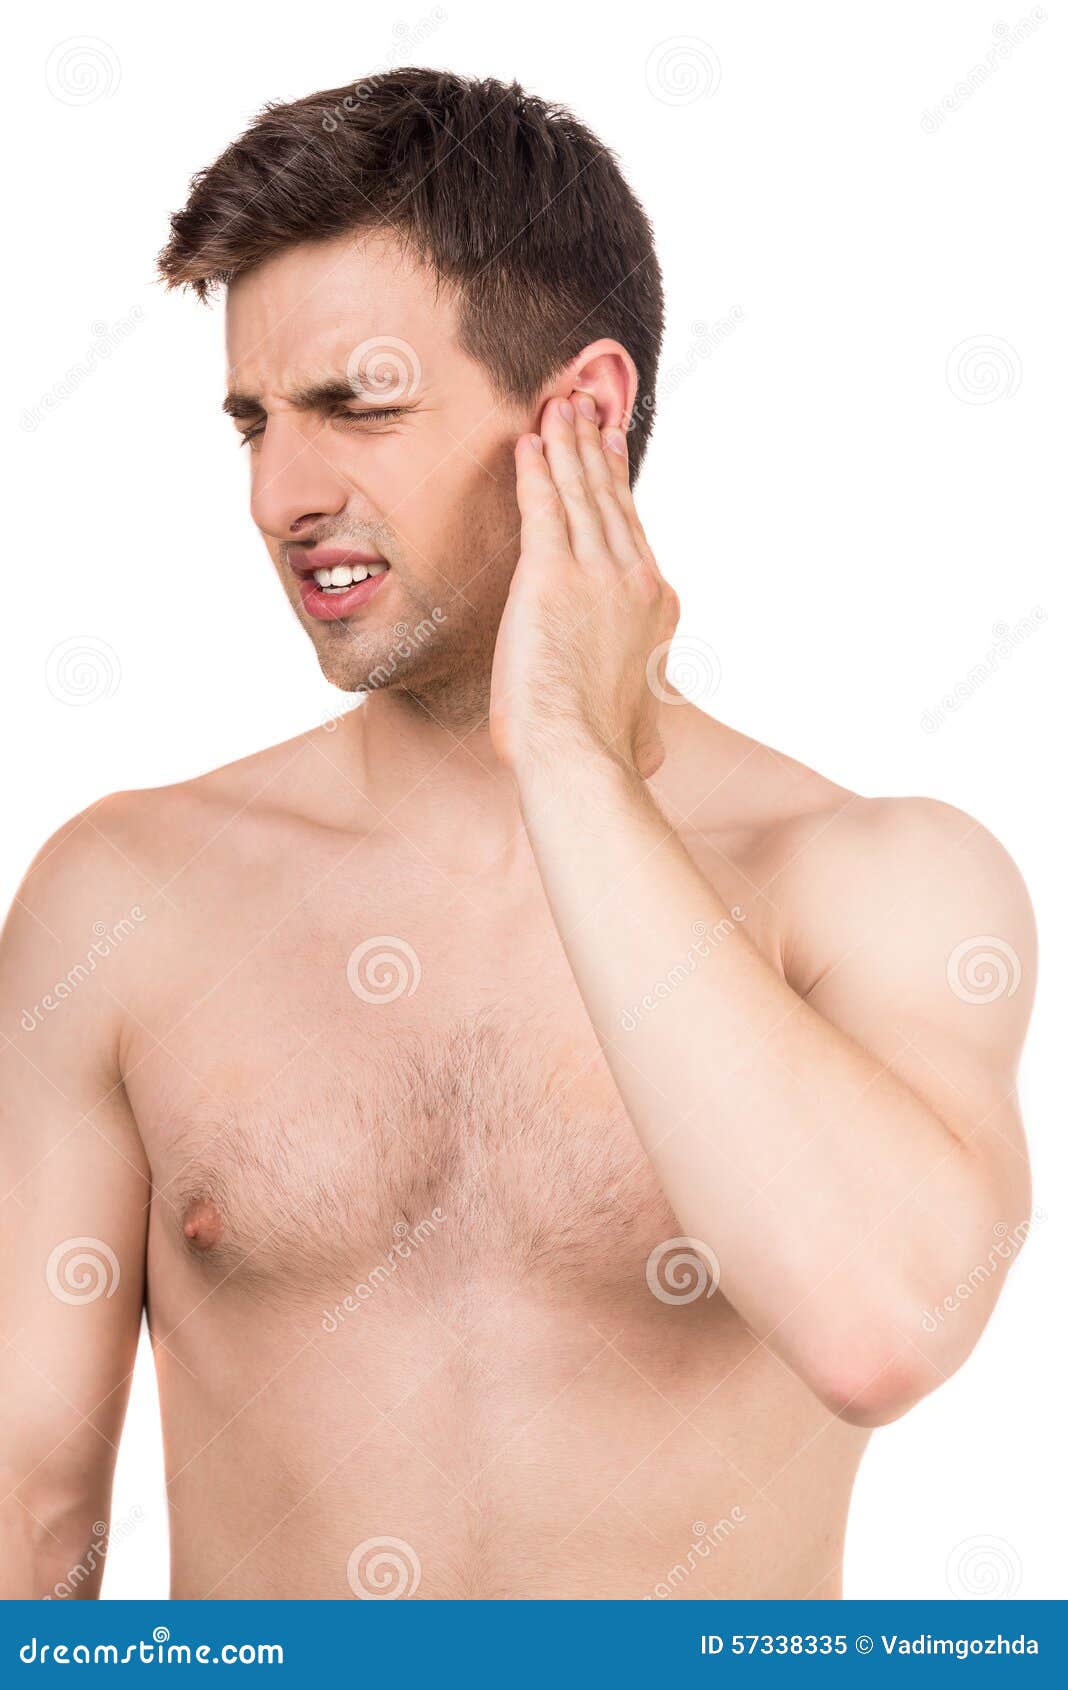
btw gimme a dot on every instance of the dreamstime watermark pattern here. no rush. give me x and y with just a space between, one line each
82 670
106 941
82 1270
383 1569
1006 38
82 70
682 1270
407 641
683 670
983 369
983 1567
1008 1244
103 1540
983 969
409 36
382 969
384 368
704 943
409 1240
1007 639
681 70
707 339
107 338
704 1541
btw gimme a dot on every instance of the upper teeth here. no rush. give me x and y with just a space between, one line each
342 575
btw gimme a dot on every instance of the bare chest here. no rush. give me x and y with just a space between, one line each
315 1117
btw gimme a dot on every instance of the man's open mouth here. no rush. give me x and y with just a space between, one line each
335 582
344 575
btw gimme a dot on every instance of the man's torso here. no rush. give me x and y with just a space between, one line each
405 1276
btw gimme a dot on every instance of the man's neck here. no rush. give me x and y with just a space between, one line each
432 773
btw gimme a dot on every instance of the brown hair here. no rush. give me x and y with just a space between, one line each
513 202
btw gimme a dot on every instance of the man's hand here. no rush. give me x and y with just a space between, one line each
589 615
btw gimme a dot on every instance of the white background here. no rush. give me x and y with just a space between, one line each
845 520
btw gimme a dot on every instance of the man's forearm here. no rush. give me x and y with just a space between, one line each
782 1144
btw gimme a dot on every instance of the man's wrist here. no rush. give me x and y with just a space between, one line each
576 772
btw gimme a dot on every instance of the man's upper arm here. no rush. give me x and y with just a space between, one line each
74 1187
916 938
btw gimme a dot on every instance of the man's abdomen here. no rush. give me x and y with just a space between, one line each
494 1445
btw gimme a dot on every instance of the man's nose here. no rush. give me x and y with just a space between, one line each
294 479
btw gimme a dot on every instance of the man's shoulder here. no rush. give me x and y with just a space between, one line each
898 888
856 846
808 831
132 843
847 874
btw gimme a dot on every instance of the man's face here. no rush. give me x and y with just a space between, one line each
375 441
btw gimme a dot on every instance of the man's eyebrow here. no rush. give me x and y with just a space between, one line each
319 396
242 406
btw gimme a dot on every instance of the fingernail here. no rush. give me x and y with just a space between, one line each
615 441
567 411
587 407
535 442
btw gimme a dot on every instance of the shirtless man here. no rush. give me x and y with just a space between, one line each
546 1127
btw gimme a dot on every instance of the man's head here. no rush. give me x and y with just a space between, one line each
413 267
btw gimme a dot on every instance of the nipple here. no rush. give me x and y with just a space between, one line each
202 1224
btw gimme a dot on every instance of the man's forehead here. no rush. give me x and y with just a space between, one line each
332 311
324 289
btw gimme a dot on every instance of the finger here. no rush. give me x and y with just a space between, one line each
561 452
615 451
599 480
544 526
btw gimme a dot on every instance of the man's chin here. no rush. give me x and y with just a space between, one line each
361 672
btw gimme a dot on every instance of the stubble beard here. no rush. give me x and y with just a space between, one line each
438 657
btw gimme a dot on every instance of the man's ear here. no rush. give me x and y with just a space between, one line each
607 372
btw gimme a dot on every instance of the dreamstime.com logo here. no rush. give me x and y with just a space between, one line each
704 1541
409 1239
670 377
407 641
103 1540
107 338
1006 1247
409 36
704 943
1006 38
1007 638
159 1651
106 940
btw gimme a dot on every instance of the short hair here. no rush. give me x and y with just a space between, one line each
515 204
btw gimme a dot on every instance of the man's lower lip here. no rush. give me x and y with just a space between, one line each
331 607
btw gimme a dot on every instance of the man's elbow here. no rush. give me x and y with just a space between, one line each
50 1543
875 1383
879 1397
